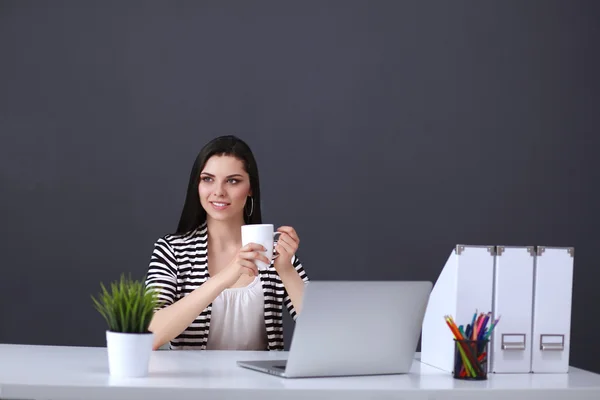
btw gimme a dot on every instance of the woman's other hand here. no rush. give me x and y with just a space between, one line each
286 247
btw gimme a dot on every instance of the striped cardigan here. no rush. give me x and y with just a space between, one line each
178 265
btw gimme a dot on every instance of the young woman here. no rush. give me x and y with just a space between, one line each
212 294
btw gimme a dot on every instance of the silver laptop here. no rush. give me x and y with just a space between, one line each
353 328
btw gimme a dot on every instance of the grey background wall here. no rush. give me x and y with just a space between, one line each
386 132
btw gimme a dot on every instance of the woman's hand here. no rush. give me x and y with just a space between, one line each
243 264
287 245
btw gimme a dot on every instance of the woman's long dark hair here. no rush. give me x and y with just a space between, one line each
193 214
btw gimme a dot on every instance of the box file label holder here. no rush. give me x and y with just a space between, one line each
552 344
513 341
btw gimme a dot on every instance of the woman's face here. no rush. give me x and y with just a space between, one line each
224 187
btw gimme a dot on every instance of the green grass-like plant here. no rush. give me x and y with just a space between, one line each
128 307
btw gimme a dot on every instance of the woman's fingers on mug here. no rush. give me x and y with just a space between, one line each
289 245
263 258
253 247
290 231
255 255
282 244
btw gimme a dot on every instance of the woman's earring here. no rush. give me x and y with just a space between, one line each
251 206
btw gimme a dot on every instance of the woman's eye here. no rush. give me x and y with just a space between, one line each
206 179
233 181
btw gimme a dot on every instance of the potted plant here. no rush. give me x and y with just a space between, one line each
127 309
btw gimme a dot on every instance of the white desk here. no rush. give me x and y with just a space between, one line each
47 372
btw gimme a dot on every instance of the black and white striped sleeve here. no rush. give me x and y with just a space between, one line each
286 300
162 273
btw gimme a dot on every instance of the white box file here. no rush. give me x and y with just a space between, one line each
464 285
552 296
510 345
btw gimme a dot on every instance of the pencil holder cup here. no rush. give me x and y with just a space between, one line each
470 359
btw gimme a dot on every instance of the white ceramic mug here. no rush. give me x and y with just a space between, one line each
263 234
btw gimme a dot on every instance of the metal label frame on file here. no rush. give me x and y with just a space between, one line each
552 346
510 345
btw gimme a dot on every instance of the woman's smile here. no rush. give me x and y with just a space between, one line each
219 206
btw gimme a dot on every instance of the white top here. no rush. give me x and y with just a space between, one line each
60 373
238 319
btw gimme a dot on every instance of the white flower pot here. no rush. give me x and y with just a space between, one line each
128 353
